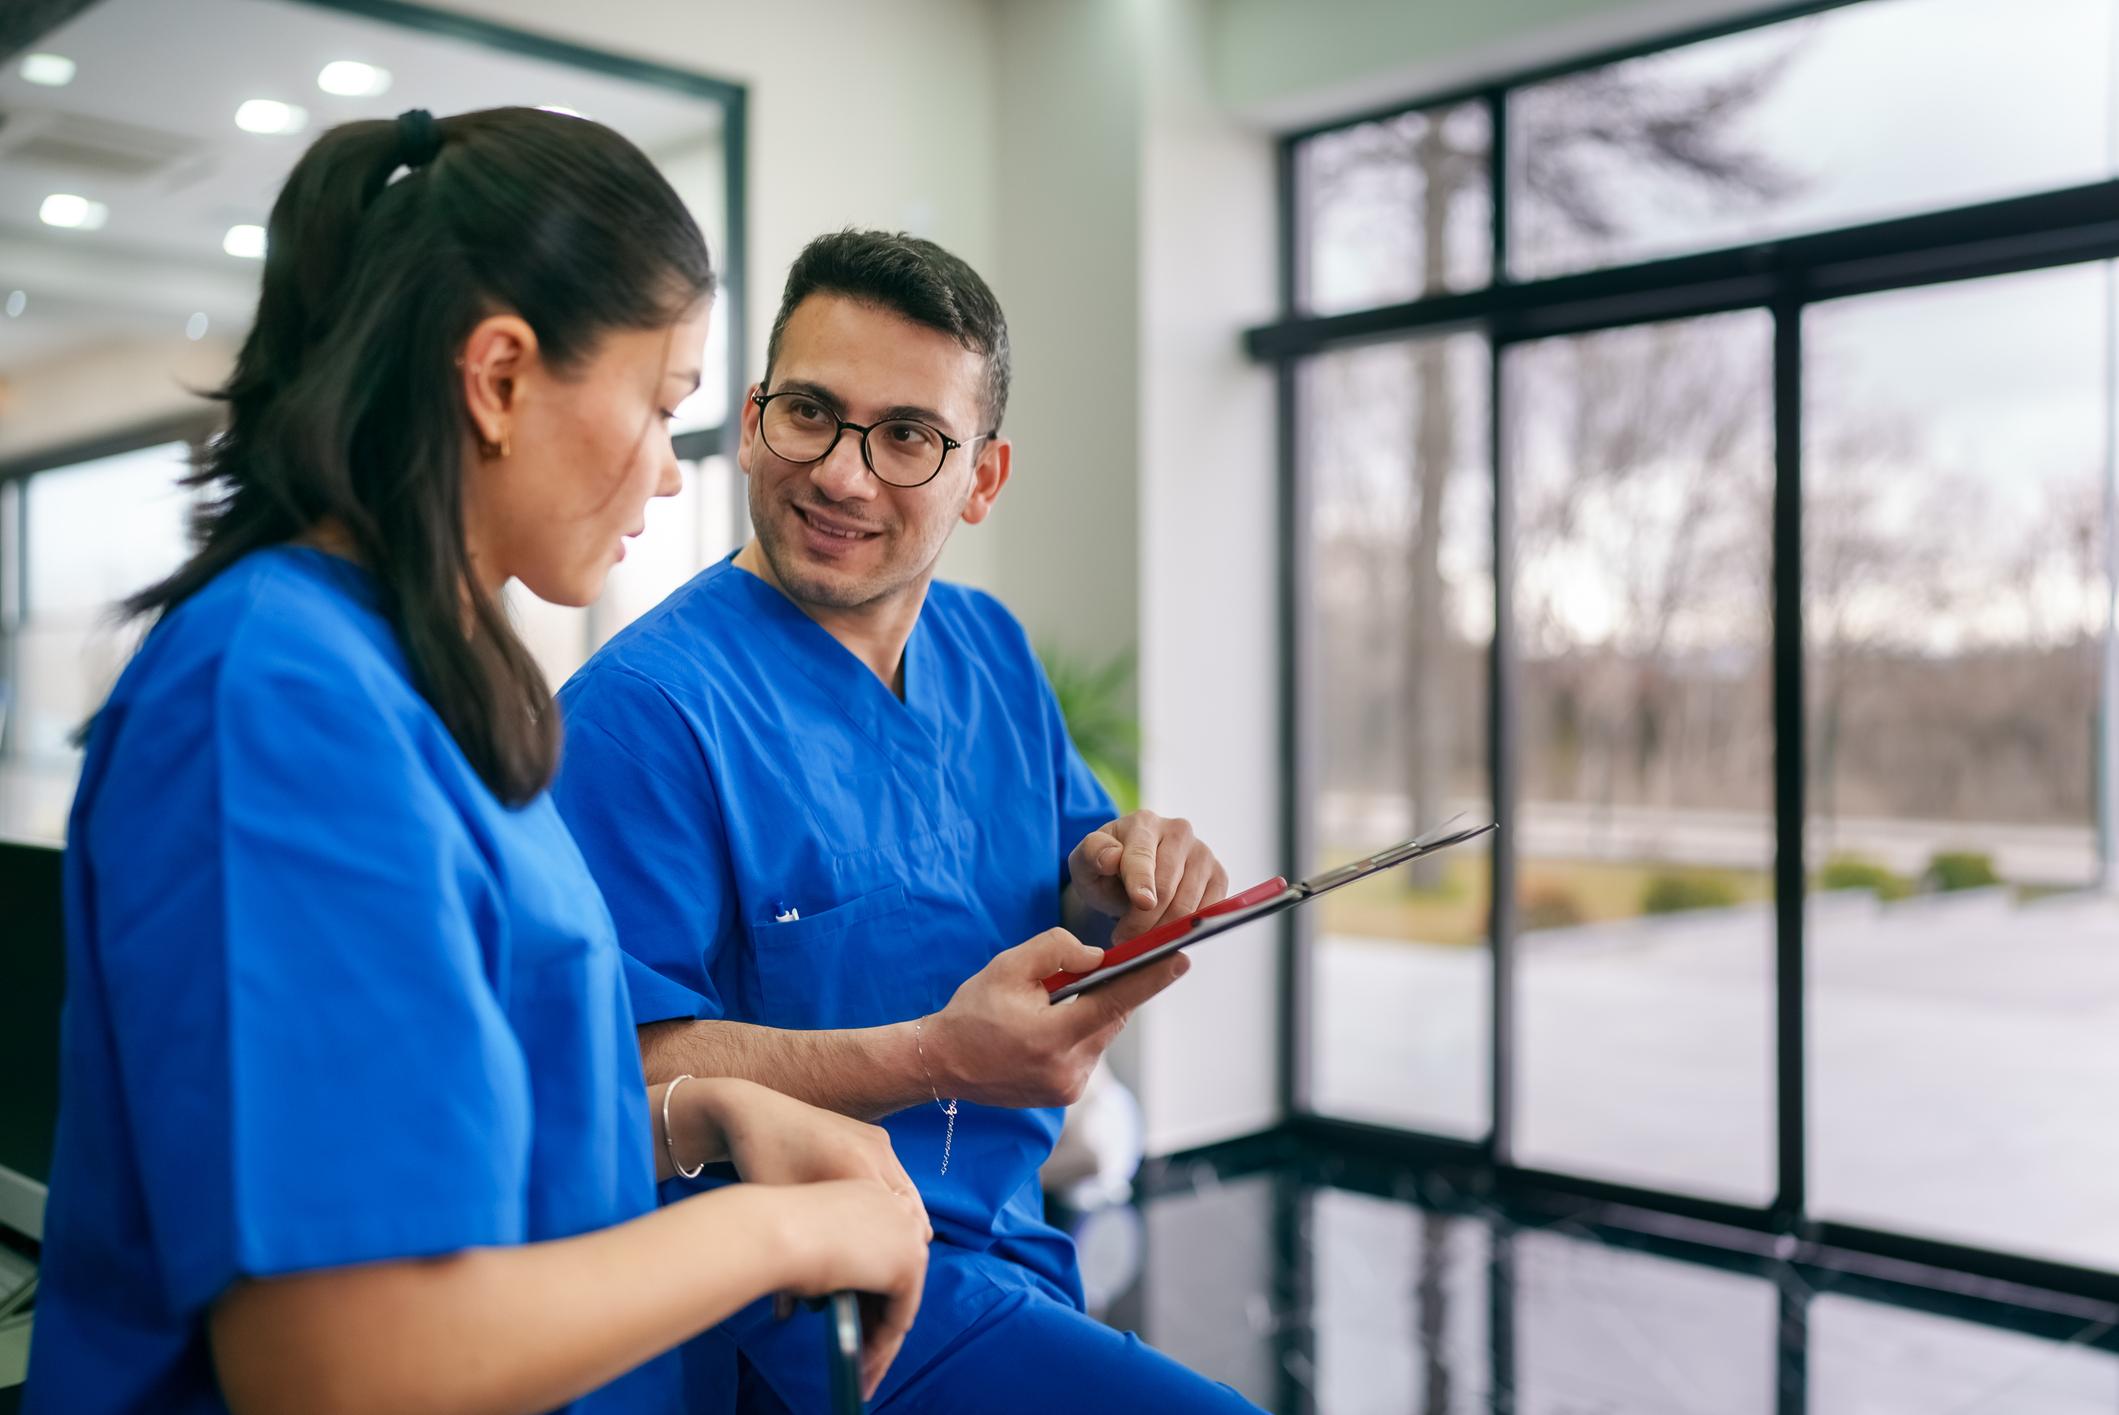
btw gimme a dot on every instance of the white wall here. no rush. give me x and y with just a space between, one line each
1136 228
1067 271
1209 543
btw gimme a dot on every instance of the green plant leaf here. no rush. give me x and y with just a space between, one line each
1094 701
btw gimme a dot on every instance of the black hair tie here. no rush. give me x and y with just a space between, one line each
418 138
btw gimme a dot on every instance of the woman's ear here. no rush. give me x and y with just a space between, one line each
499 351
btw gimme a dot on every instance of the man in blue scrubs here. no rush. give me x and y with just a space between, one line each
825 793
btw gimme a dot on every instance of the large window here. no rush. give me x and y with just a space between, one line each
1705 463
1401 535
1965 963
1396 209
108 526
1641 462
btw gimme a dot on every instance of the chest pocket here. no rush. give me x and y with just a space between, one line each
855 964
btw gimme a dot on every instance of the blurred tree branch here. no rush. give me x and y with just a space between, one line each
1569 133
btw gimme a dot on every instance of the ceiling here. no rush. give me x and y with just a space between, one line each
147 127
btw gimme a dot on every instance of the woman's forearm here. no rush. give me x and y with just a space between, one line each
700 1113
694 1135
496 1331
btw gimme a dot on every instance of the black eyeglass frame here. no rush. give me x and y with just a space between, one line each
949 444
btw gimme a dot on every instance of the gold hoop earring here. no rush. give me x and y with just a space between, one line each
495 451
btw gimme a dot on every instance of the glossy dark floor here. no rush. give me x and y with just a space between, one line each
1318 1285
1312 1287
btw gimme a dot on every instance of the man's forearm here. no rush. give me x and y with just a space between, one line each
866 1073
871 1072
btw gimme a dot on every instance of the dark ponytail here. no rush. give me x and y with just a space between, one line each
344 402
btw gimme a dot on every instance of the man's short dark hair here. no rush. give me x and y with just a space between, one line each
911 277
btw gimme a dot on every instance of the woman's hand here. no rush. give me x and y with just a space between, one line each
854 1235
775 1139
856 1223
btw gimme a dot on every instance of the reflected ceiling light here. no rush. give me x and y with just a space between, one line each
270 116
561 109
349 78
245 241
50 70
73 213
17 301
195 328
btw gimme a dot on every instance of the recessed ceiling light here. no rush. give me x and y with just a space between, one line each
195 328
349 78
17 301
50 70
270 116
74 213
561 110
245 241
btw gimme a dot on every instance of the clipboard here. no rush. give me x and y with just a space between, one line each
1274 896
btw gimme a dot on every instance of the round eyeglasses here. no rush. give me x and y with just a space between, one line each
904 452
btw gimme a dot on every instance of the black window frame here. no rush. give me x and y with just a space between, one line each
1781 276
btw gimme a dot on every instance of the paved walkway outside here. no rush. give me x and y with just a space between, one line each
1964 1058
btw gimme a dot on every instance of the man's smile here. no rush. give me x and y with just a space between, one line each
827 525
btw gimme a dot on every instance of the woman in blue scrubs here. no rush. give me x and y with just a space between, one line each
353 1116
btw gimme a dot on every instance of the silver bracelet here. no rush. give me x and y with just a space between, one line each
949 1110
669 1140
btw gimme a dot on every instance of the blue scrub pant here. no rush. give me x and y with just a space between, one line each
991 1335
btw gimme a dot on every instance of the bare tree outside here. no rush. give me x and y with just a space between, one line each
1436 164
1645 483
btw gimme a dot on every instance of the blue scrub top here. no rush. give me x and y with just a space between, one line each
329 1001
785 842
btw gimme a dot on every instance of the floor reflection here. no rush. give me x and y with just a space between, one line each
1316 1289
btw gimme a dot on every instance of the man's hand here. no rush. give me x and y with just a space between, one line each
1003 1041
1141 870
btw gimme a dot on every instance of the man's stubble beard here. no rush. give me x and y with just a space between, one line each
828 592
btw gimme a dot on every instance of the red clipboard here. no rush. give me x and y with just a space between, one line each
1274 896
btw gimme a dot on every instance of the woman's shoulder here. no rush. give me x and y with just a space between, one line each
285 614
278 679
